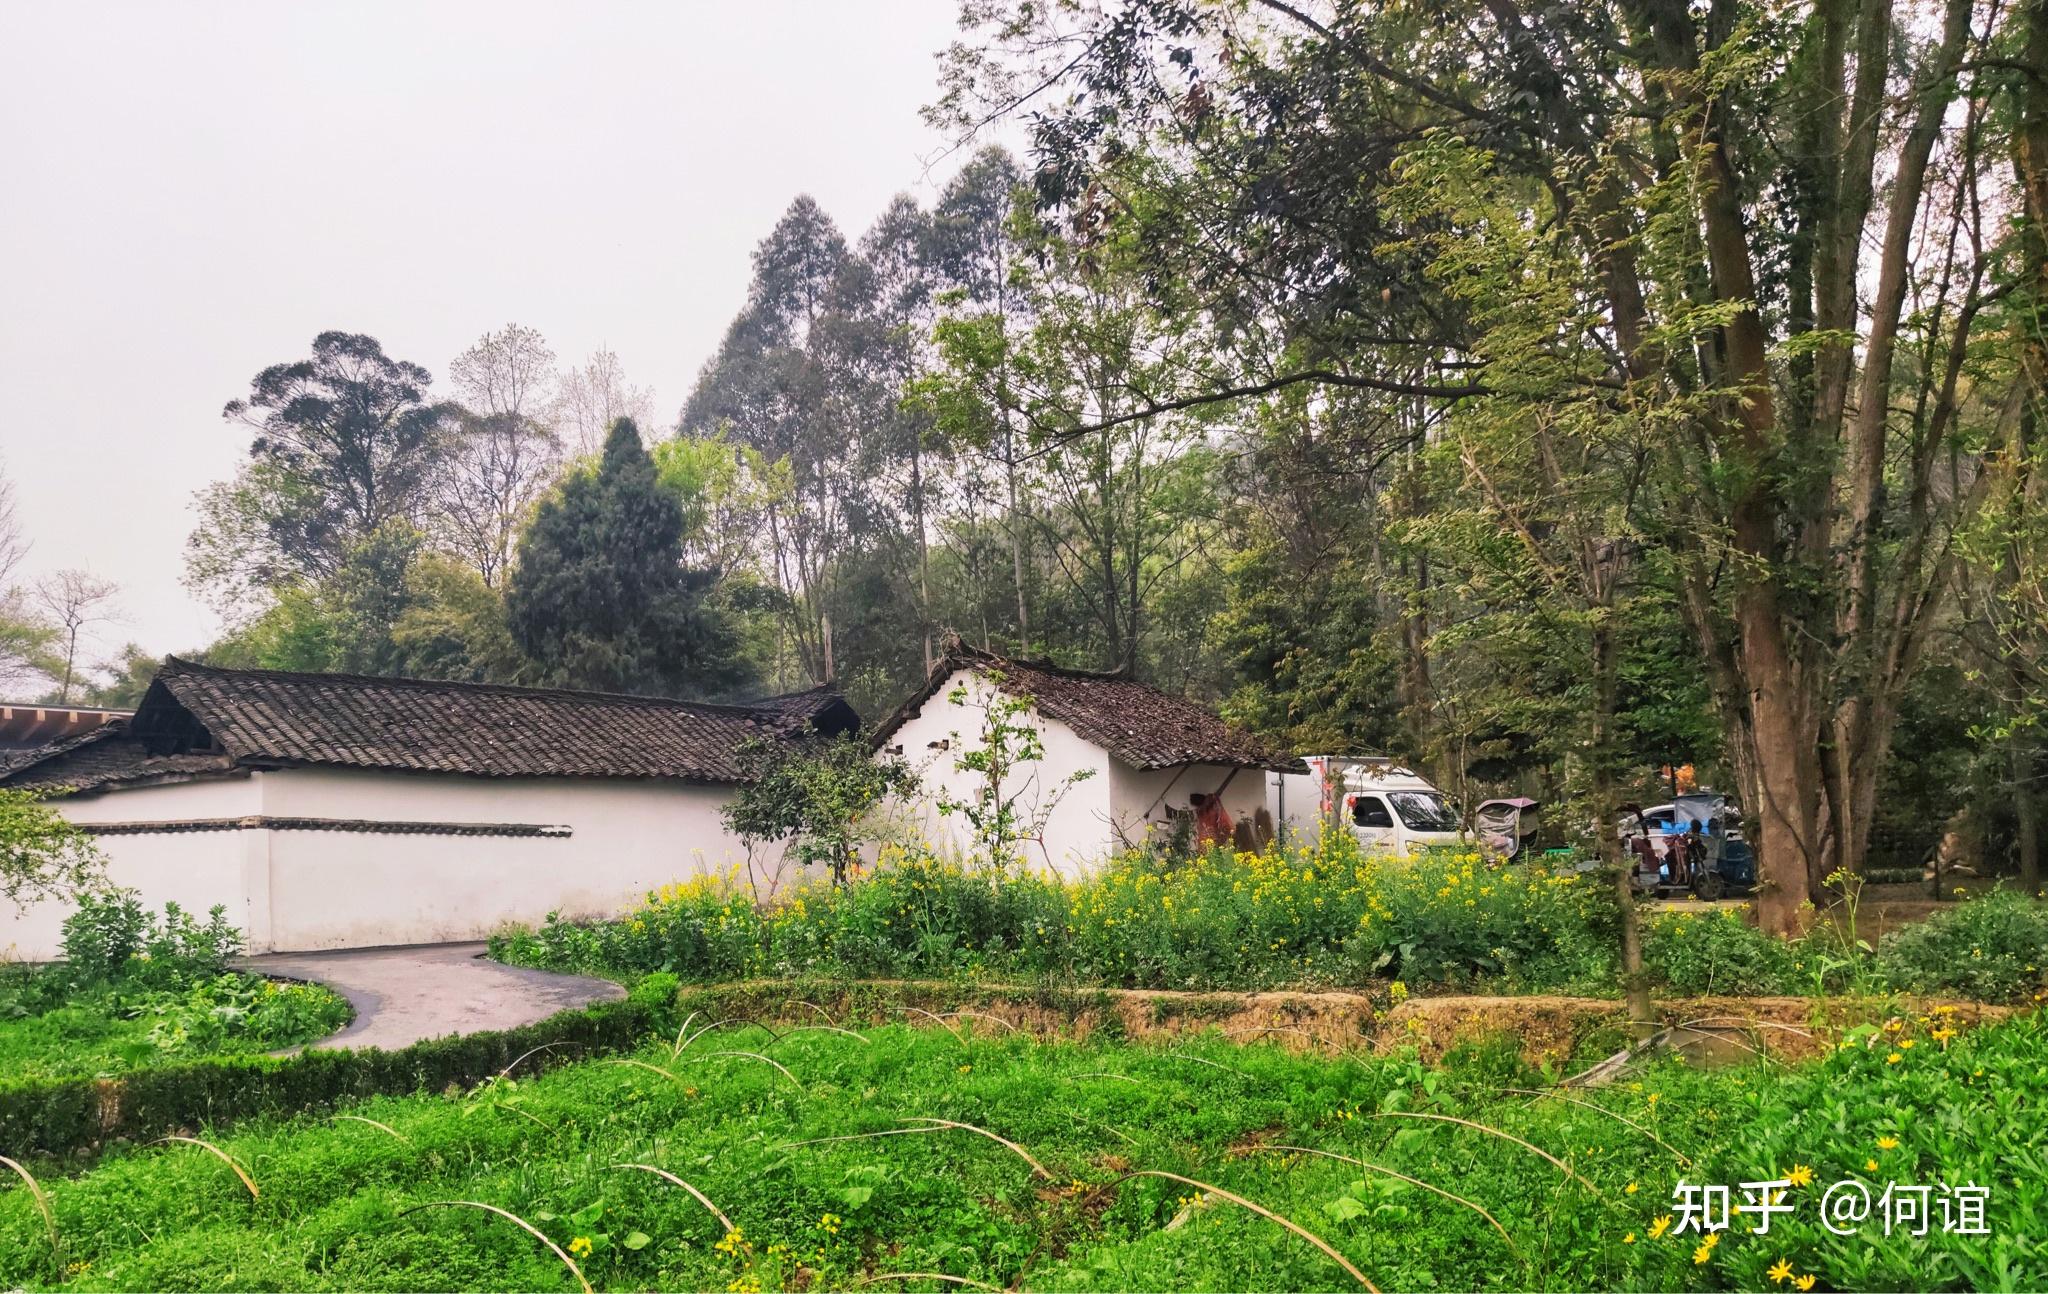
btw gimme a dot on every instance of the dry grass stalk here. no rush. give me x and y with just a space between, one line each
1265 1213
1412 1181
523 1055
1103 1073
935 1019
978 1015
755 1055
357 1118
1561 1166
42 1200
860 1136
219 1154
1021 1153
862 1039
641 1064
702 1199
1181 1055
529 1228
925 1276
1683 1158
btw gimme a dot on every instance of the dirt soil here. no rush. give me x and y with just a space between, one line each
1549 1031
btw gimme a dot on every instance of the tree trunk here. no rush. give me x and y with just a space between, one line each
1017 543
2029 825
1634 982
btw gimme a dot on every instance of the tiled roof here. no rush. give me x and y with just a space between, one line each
107 755
272 718
1139 724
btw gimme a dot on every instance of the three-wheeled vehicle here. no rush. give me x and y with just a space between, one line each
1507 828
1693 845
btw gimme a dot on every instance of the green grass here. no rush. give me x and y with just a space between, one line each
118 1027
335 1192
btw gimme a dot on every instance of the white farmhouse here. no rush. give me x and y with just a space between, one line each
1141 755
336 811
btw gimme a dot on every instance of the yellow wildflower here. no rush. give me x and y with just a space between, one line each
1800 1175
1887 1143
580 1246
1781 1272
1660 1226
1805 1282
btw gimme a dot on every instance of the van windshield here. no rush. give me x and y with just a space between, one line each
1423 810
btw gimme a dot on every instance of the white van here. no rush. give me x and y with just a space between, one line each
1386 806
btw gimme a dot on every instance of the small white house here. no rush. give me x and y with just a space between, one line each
338 811
1121 759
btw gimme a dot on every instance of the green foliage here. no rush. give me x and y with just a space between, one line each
110 936
43 857
346 442
69 1116
600 597
1994 948
1328 916
817 796
1718 952
53 1026
997 814
828 1214
135 989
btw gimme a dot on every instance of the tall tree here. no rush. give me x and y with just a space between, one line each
1806 478
504 449
600 597
590 400
346 440
776 386
72 601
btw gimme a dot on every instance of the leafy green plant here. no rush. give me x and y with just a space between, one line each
817 796
43 857
1716 952
1993 948
998 816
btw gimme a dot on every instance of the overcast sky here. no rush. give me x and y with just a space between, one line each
193 190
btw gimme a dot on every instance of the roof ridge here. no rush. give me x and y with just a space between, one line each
178 665
978 656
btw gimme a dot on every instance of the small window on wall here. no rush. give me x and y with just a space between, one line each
1370 811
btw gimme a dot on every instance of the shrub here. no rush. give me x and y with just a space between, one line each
75 1115
1716 952
112 937
1333 914
1992 948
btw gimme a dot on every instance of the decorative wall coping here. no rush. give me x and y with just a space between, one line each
264 822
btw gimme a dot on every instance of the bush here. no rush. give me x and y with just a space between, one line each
1991 948
1716 952
111 937
1329 915
76 1115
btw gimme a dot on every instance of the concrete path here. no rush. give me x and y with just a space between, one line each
402 995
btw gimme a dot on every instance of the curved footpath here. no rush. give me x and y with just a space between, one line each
407 994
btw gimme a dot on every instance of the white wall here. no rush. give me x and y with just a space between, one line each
296 890
1140 798
1080 829
195 869
331 889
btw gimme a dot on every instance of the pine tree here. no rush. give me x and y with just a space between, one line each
601 598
